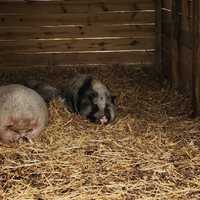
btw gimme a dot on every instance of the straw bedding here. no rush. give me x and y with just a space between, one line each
151 151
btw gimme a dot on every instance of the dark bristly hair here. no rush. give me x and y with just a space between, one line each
87 93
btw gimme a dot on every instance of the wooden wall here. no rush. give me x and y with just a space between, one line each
59 33
181 45
177 41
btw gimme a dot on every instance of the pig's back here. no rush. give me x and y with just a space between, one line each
20 101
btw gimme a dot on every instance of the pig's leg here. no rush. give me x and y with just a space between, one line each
37 128
8 136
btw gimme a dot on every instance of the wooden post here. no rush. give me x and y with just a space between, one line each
196 57
175 47
159 36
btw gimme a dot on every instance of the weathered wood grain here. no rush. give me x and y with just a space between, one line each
77 1
26 33
77 45
185 23
72 7
159 35
63 59
175 35
76 32
196 57
177 41
77 19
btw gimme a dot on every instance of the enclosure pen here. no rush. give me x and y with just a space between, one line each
147 53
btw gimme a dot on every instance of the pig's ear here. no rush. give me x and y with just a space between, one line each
113 99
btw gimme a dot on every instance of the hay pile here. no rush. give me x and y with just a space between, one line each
151 152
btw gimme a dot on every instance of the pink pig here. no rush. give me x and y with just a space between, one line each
23 113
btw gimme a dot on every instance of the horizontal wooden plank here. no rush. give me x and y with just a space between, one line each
78 1
77 45
24 33
72 7
63 59
77 19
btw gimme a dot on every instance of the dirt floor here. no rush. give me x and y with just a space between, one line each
151 151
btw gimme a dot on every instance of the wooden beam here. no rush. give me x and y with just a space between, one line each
196 57
159 35
175 36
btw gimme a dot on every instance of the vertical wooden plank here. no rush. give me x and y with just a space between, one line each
159 36
196 57
175 46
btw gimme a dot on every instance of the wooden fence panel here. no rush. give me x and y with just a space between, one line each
181 55
177 27
39 33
